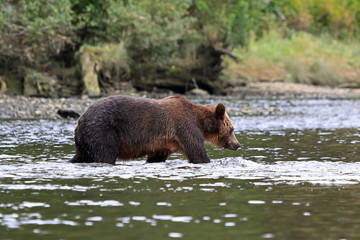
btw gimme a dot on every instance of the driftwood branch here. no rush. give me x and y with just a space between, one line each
226 52
195 83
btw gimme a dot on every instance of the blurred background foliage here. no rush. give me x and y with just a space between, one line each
184 42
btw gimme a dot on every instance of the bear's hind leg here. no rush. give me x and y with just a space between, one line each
109 156
97 151
105 149
159 156
76 159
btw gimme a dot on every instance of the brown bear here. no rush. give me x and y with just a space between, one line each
124 127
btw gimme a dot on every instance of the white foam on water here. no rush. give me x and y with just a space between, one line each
230 224
164 204
184 219
27 204
95 219
175 235
162 217
106 203
16 221
139 218
286 172
256 202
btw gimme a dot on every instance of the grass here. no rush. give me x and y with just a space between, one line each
301 58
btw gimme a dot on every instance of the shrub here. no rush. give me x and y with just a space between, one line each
31 31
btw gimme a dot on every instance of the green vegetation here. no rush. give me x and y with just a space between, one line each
301 58
177 45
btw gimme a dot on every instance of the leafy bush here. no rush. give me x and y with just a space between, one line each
31 31
339 18
152 30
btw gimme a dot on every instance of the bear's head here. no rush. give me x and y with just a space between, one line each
219 129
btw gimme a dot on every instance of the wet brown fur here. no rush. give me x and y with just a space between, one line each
123 127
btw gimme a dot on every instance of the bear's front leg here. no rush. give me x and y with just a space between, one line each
198 156
194 149
158 156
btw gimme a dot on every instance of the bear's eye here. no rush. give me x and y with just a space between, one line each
231 130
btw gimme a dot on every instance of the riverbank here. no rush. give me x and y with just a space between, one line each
21 107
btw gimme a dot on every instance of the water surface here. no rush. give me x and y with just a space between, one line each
296 176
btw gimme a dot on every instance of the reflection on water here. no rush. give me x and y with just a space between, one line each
295 182
302 145
153 208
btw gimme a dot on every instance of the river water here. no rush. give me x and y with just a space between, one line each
296 176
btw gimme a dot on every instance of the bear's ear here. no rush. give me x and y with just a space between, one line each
220 111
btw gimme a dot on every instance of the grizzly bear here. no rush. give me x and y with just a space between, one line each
124 127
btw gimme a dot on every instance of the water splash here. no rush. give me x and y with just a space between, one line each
288 172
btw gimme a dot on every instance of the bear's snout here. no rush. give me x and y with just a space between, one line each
232 143
232 146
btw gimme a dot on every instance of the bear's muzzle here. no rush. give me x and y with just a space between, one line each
232 146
